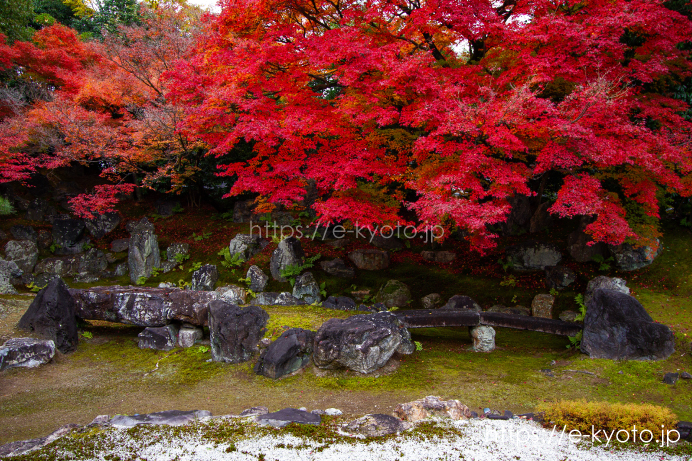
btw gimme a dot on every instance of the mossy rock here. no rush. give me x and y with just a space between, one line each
394 294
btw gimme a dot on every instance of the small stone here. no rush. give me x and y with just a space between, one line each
685 375
483 338
509 414
431 301
671 378
542 306
205 278
318 412
333 412
189 335
175 249
377 425
307 289
120 245
258 279
26 352
100 420
370 260
461 302
254 411
394 294
568 316
432 406
158 338
168 418
338 268
286 416
20 232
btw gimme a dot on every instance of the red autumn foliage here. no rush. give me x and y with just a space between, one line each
446 108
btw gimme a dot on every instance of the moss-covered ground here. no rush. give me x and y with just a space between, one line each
109 374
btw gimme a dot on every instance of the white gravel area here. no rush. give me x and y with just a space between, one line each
478 440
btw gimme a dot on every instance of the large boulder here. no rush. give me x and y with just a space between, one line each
246 246
235 331
288 354
629 258
542 305
68 235
232 294
389 242
205 278
102 224
369 260
461 302
23 252
158 338
242 211
8 271
338 268
605 283
288 253
62 266
143 252
530 256
307 289
362 343
559 277
52 315
258 279
175 249
143 306
120 245
160 418
617 327
20 232
40 210
93 262
394 294
26 352
342 303
432 406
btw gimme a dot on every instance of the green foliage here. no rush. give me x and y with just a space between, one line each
685 222
323 289
554 292
87 334
53 247
35 288
87 247
509 264
419 346
181 258
164 255
604 264
195 267
202 236
156 271
182 284
292 271
141 280
509 281
15 16
575 341
202 349
178 208
228 260
6 207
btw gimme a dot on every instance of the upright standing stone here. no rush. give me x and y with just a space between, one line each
307 289
143 251
67 235
483 338
235 331
258 279
205 278
288 354
542 306
288 253
246 246
188 335
52 316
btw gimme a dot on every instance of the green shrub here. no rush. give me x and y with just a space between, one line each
582 415
6 207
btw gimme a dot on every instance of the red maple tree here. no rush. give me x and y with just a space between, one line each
448 108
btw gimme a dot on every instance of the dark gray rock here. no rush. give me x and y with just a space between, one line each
377 425
175 249
68 235
377 307
235 331
281 218
167 266
93 262
519 216
389 242
516 310
671 378
269 298
102 224
188 335
338 268
581 251
568 316
44 239
629 258
369 260
431 301
530 256
120 270
143 251
232 294
23 252
85 278
559 277
63 266
394 294
288 253
685 375
242 211
166 208
168 418
287 416
143 306
362 343
541 218
617 327
246 246
254 411
205 278
40 210
288 354
20 232
159 338
439 256
8 271
605 283
685 430
461 302
342 303
307 289
120 245
27 446
26 352
52 315
258 279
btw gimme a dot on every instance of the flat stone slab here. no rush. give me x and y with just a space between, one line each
143 306
169 418
287 416
26 352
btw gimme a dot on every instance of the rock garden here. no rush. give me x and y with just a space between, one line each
137 313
